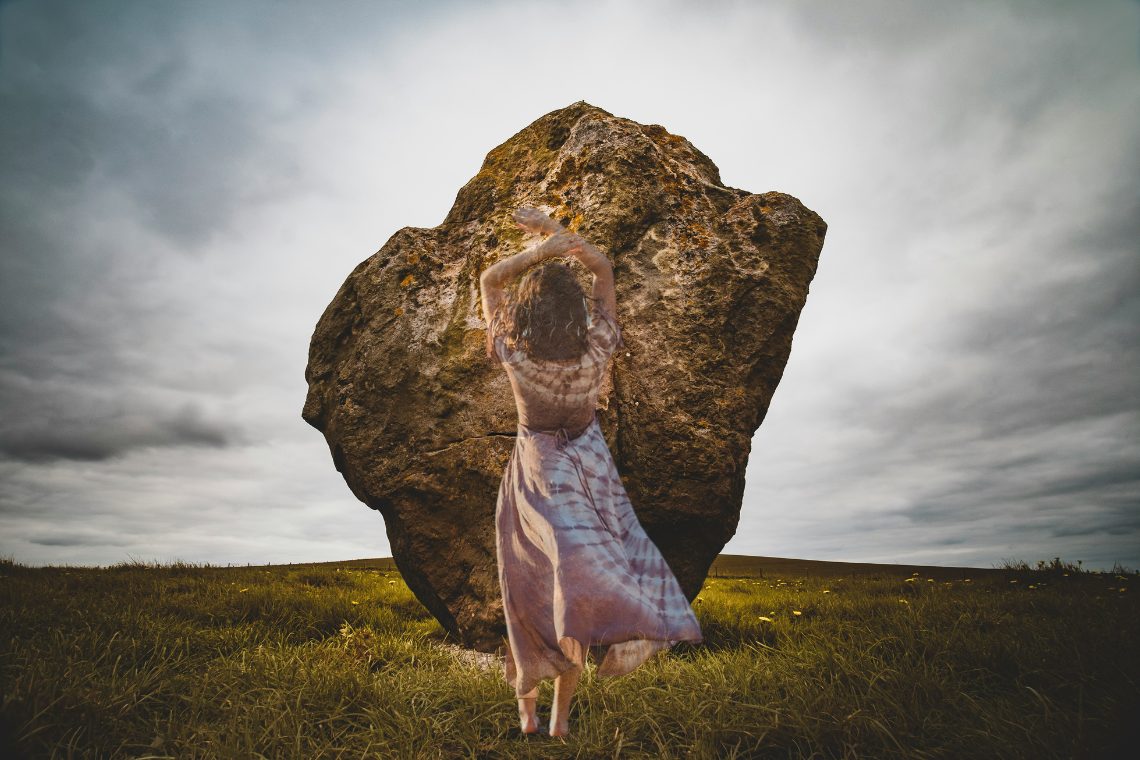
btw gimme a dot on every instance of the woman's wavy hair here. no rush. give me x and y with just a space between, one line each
545 315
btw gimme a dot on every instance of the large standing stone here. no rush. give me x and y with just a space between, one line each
710 283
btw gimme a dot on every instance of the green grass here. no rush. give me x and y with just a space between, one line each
340 660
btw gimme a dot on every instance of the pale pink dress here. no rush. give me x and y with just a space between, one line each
573 559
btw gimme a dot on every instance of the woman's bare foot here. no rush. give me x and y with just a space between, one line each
528 719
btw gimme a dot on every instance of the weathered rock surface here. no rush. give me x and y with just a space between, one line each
710 284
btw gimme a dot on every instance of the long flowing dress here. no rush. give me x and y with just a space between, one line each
573 560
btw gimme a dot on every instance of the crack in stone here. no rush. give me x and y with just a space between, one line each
465 440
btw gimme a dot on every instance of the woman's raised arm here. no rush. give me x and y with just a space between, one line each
560 243
603 271
494 277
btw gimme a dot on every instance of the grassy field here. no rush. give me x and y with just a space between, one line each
801 659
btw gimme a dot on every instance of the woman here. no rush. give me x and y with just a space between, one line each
576 568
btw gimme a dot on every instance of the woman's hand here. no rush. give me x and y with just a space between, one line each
564 243
536 221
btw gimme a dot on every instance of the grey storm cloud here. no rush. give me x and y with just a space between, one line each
1055 375
962 382
114 111
67 538
1006 408
95 437
119 121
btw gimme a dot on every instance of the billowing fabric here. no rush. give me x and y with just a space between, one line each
573 560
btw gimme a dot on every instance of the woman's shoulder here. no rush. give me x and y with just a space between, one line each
501 345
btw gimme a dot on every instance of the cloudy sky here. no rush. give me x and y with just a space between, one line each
185 185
